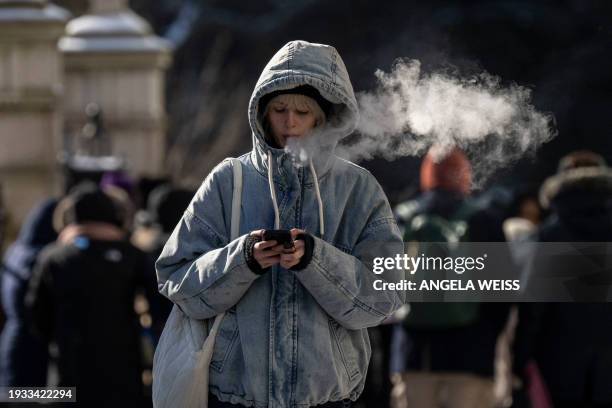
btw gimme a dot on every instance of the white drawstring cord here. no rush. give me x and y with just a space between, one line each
317 192
319 201
273 193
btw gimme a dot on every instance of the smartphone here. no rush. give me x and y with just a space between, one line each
282 237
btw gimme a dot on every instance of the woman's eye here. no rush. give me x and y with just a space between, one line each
301 112
279 110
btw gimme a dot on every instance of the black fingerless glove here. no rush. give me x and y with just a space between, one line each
249 244
308 249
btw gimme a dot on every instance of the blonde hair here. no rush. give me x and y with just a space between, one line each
299 102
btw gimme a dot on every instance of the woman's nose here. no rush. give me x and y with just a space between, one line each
291 119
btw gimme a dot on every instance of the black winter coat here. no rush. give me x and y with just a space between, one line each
82 296
572 342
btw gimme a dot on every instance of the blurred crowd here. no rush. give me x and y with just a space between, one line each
79 290
80 305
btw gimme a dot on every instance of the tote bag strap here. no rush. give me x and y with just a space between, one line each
235 231
236 198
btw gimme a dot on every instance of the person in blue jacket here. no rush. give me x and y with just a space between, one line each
23 357
294 333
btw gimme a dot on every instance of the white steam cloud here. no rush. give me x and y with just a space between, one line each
411 111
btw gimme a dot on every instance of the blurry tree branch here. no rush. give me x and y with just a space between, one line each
232 16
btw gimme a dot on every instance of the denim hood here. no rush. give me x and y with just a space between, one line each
303 63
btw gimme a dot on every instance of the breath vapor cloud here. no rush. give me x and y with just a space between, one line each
410 111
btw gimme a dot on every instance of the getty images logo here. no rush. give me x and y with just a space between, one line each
413 264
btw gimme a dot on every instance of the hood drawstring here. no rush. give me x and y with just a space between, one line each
319 201
273 193
317 192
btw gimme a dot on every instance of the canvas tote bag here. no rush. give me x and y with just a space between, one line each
180 364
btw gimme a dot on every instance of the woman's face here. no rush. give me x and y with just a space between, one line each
289 121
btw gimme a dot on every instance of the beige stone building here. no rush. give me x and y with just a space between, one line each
112 59
51 67
31 78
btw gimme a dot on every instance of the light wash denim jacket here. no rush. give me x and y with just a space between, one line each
289 339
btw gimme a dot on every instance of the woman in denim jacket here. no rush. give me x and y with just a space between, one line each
294 333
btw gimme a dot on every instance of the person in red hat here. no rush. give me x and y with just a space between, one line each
444 356
451 172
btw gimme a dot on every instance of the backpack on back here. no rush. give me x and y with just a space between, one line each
421 232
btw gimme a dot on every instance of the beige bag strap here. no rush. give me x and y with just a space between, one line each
236 198
209 344
235 229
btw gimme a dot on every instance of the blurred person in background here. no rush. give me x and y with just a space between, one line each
23 357
82 298
165 207
121 188
2 220
524 215
571 343
121 180
444 354
579 197
2 232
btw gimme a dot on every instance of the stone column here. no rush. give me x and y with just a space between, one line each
31 74
113 59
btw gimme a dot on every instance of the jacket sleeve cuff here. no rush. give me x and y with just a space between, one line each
249 244
308 250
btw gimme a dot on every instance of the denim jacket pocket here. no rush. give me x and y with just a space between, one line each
226 338
348 354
